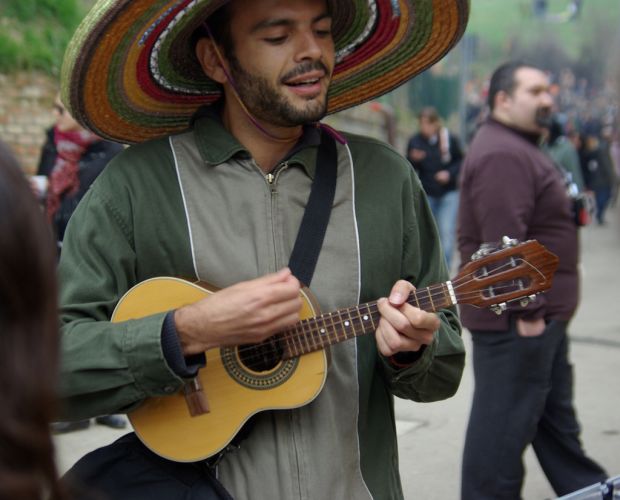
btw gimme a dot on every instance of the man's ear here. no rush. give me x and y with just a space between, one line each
209 60
501 98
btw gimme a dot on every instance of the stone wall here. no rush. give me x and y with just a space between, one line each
25 113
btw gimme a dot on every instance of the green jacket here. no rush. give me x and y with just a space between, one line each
183 206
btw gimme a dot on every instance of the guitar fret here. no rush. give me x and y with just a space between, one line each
304 333
333 329
369 316
358 317
342 325
431 298
351 323
303 338
285 337
448 293
308 332
322 332
417 302
316 333
297 343
337 326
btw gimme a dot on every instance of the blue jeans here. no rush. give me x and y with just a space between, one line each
444 210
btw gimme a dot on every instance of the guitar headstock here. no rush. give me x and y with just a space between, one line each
515 271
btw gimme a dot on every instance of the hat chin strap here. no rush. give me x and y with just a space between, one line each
233 85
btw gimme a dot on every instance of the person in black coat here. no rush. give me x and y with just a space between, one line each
71 159
436 154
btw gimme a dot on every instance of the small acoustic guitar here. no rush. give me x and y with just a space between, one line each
289 369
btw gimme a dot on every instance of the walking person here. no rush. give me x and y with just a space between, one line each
523 377
225 100
598 171
71 159
435 154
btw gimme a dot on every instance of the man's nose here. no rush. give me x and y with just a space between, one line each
308 46
546 99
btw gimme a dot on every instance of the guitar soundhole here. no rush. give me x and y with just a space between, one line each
261 357
258 366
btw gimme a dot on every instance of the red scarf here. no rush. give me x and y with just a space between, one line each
70 146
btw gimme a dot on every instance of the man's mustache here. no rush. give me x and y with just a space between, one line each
544 117
306 67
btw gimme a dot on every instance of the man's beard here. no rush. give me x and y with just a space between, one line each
264 101
544 117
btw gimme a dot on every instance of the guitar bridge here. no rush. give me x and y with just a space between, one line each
195 397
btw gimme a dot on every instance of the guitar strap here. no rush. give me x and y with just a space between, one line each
313 225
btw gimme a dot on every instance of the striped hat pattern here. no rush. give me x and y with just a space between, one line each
130 73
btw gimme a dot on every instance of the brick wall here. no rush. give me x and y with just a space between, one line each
25 112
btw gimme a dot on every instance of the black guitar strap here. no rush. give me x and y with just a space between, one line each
313 226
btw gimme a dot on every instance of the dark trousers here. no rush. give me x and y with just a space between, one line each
127 470
523 395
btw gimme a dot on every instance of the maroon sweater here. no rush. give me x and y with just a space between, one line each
510 187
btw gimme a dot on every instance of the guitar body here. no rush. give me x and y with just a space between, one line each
234 389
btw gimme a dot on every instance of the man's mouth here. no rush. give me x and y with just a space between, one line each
544 117
310 81
307 79
307 85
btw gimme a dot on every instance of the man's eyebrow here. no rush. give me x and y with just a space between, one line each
270 23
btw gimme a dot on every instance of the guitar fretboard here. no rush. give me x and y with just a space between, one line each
318 332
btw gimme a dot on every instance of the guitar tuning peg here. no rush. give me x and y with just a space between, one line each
532 297
499 308
485 249
509 242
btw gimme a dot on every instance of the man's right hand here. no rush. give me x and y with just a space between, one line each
417 154
245 313
532 328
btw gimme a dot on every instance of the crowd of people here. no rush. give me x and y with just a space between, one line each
252 193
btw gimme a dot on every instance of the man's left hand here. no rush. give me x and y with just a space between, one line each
442 177
403 327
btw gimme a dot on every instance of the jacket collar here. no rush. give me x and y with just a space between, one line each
530 137
216 145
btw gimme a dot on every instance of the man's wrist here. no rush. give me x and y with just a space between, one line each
405 359
183 366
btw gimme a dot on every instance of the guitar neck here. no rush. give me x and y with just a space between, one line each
321 331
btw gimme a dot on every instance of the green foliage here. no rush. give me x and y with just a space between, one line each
508 29
35 33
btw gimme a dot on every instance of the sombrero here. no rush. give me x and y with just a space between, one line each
130 73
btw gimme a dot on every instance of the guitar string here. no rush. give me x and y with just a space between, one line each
293 334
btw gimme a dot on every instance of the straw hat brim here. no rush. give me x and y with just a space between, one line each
130 73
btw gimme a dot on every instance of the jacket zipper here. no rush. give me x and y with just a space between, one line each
272 180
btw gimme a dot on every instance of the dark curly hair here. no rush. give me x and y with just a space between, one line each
28 340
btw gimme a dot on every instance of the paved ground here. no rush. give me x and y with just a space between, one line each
431 435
